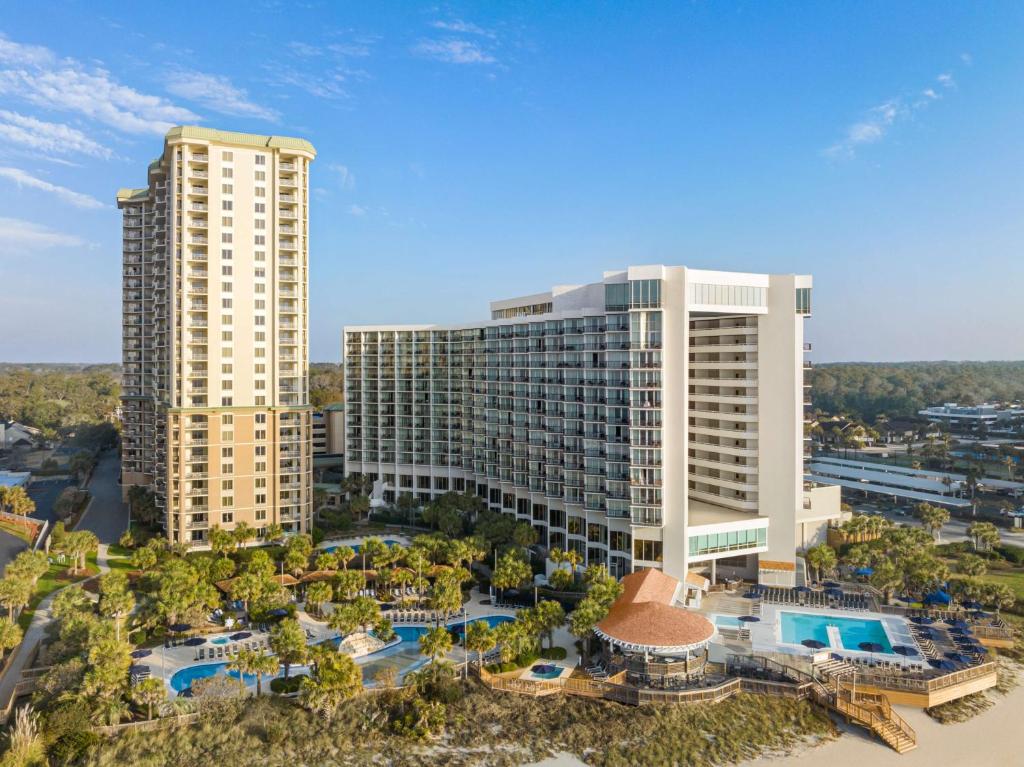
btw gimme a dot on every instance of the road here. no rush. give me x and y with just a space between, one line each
953 531
107 516
10 547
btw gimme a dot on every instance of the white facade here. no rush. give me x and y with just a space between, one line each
654 419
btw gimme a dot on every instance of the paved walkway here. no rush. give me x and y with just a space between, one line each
106 516
37 631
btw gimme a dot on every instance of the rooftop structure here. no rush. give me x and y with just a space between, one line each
971 416
14 478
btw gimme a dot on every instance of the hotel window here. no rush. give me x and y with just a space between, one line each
803 300
227 156
261 175
259 192
648 551
227 189
616 297
261 207
727 295
226 221
227 517
260 239
227 468
225 303
227 484
645 294
261 514
225 237
226 253
227 419
261 159
227 172
226 204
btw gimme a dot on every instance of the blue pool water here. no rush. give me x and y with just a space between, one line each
404 656
183 678
797 627
728 621
355 546
219 640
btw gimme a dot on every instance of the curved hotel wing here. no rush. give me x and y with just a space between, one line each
653 419
215 394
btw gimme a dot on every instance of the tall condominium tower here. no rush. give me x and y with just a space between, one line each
215 391
654 419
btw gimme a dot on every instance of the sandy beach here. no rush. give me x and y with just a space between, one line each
988 739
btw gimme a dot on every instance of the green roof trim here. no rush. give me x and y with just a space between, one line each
129 195
239 139
335 407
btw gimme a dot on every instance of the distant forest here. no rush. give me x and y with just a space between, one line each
56 397
866 390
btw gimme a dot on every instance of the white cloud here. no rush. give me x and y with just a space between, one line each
453 51
323 85
217 92
465 27
34 74
346 177
966 58
17 235
878 120
47 137
357 210
23 179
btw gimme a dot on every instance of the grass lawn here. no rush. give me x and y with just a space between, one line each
54 578
1012 578
119 558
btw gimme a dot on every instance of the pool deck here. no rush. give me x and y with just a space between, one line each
358 540
165 662
766 635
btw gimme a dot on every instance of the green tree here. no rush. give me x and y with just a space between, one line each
221 541
512 571
15 593
144 558
933 518
479 639
149 692
436 643
10 635
886 578
348 583
984 534
16 500
78 545
288 641
116 599
822 558
972 565
325 560
344 555
334 678
317 595
253 663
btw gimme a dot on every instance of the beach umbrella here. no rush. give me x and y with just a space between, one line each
186 693
141 653
938 597
864 571
752 595
133 670
979 614
834 592
870 647
832 585
960 624
179 627
922 620
942 663
902 649
194 642
803 589
972 605
240 635
280 612
749 618
958 657
814 644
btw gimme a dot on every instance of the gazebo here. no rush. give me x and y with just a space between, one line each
661 645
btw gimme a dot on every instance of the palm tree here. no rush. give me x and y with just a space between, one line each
148 692
933 518
15 593
886 578
1010 465
252 663
334 677
344 555
822 558
436 643
288 641
317 595
479 639
10 634
984 534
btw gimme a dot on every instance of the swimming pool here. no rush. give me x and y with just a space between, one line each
728 621
220 640
796 627
355 546
183 678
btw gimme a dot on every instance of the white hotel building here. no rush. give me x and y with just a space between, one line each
653 419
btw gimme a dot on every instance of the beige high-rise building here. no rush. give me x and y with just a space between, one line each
215 393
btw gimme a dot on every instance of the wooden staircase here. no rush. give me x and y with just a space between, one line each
836 689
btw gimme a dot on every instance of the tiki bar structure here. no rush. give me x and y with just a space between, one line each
657 644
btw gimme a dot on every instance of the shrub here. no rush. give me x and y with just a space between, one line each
318 536
71 747
1010 553
553 653
283 686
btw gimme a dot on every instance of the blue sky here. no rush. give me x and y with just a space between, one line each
477 151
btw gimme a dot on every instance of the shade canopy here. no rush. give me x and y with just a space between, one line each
814 644
942 663
240 635
749 618
870 647
864 571
922 620
194 642
901 649
179 627
141 653
938 597
644 618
